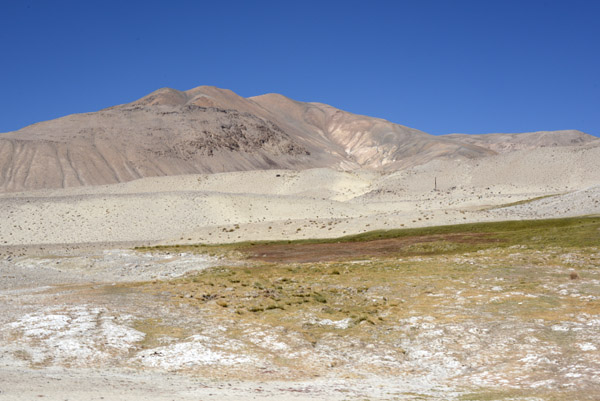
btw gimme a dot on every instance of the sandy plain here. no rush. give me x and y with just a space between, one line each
63 335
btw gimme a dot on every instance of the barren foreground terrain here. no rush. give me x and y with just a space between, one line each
484 311
168 287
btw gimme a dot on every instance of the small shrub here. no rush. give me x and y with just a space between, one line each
319 298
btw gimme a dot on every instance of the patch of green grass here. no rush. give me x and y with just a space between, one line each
521 202
574 232
371 290
577 231
375 293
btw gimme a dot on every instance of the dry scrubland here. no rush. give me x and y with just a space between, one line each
506 310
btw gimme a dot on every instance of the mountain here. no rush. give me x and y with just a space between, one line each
208 130
503 143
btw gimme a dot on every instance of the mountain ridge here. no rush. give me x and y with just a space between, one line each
207 129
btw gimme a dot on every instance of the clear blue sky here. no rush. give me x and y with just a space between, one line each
439 66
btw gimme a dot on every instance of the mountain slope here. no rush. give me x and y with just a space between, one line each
502 143
151 137
370 142
207 130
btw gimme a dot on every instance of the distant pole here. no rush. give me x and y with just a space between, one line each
435 184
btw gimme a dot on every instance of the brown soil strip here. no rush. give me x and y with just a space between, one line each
323 252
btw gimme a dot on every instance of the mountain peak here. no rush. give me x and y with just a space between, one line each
163 97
